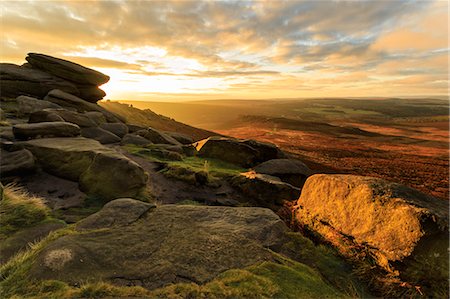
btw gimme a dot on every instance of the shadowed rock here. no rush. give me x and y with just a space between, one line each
29 105
44 116
102 136
291 171
181 138
118 129
45 129
157 136
267 190
17 162
16 80
134 139
65 69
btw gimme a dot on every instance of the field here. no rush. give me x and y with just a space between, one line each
402 140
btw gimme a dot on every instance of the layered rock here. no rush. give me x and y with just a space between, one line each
85 79
400 225
102 136
157 136
100 171
28 105
16 163
45 129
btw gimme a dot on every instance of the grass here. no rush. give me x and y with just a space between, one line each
19 210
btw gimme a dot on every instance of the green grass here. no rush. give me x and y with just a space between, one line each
19 210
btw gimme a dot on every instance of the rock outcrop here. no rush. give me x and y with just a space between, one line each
291 171
100 171
16 163
102 136
29 105
156 136
397 223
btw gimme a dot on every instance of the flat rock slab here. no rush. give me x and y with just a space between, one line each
16 163
291 171
45 129
99 170
165 245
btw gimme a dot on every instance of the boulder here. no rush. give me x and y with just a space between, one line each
119 212
134 139
97 117
227 149
181 138
70 101
74 117
100 171
291 171
29 105
155 247
268 191
16 80
132 128
65 69
6 133
91 93
16 163
118 129
266 151
45 129
102 136
157 136
401 227
44 116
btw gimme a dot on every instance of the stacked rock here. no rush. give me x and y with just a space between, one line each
44 73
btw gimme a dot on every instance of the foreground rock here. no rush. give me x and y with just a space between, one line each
245 153
29 105
45 129
268 191
159 246
402 226
100 171
102 136
291 171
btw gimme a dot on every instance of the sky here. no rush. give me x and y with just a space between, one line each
189 50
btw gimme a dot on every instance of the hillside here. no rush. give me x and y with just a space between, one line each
103 200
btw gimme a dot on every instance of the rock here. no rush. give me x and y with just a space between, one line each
97 117
294 172
134 139
118 129
266 151
16 163
119 212
102 136
156 136
91 93
267 190
134 128
65 69
100 171
6 133
162 153
164 245
44 116
70 101
74 117
181 138
1 191
29 105
45 129
16 81
399 225
227 149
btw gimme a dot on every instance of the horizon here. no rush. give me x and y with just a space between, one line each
171 51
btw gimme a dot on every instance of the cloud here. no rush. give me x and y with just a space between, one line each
285 42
